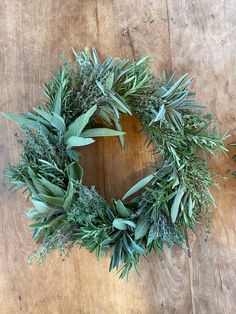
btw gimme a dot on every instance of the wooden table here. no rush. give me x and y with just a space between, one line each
194 36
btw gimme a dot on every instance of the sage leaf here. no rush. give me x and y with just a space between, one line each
51 200
176 203
110 80
96 132
122 210
116 255
68 197
56 190
122 224
76 141
76 127
75 171
134 246
27 122
141 228
138 186
153 234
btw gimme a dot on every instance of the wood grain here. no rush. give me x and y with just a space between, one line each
194 36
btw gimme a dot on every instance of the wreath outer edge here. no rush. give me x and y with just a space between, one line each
174 198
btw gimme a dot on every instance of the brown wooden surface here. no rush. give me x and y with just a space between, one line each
194 36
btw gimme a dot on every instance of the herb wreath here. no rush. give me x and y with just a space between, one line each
66 212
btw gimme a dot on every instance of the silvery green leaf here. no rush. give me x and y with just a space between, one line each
141 228
120 102
134 246
34 117
95 56
75 171
122 224
68 199
58 100
110 80
56 190
138 186
191 204
121 137
122 210
153 234
54 119
76 127
175 86
96 132
126 245
27 122
72 153
76 141
116 254
176 203
37 184
51 200
101 87
39 205
160 115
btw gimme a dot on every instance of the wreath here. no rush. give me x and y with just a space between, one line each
173 198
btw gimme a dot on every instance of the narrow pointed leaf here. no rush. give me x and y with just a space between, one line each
176 203
76 127
96 132
138 186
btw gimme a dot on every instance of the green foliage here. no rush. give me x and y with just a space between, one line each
234 158
66 212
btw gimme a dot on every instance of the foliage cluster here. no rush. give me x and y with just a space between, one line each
174 197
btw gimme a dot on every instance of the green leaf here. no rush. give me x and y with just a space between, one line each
56 190
122 210
175 86
51 200
126 244
76 127
68 197
135 247
116 255
142 228
57 104
159 115
121 137
39 205
119 101
191 204
153 234
75 171
110 80
76 141
122 224
176 203
36 182
54 119
112 238
27 122
138 186
101 132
